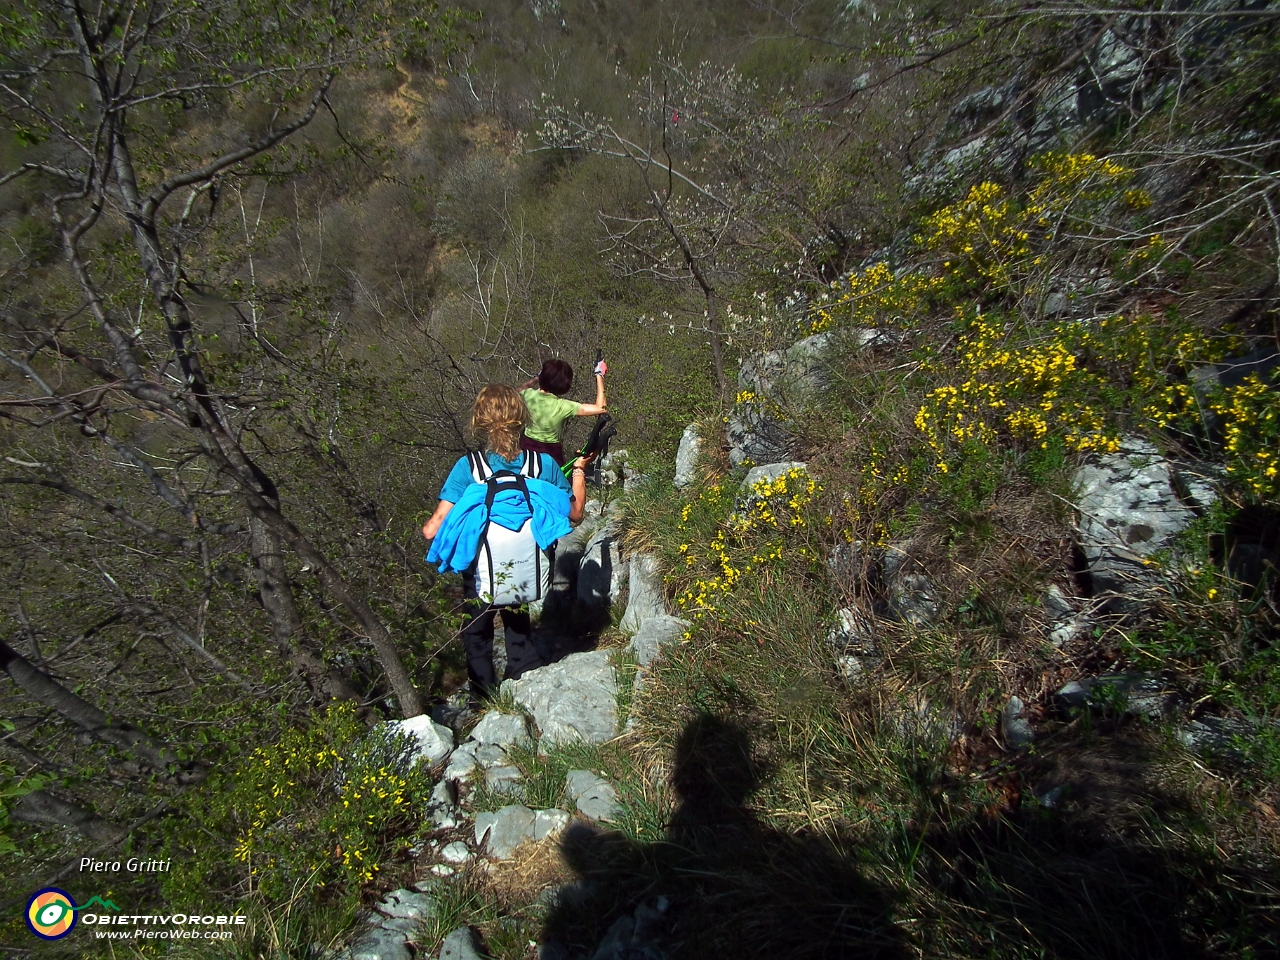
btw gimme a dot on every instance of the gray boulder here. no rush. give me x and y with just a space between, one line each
784 383
432 742
594 796
644 593
615 466
756 436
1221 736
1139 694
912 596
654 634
379 944
687 457
1062 632
455 853
791 376
548 823
1062 622
602 574
442 809
1128 510
462 762
501 730
569 548
769 472
574 699
503 779
504 830
489 754
1197 484
1015 726
395 920
406 904
460 944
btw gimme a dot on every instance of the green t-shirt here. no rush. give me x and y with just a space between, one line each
547 414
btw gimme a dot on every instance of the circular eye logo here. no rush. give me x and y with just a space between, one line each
51 913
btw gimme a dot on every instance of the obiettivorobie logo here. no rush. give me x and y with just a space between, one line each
51 913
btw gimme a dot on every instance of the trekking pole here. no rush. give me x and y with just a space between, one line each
597 442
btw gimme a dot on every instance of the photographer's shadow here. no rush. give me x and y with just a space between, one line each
721 884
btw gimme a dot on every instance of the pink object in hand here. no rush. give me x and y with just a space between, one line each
601 368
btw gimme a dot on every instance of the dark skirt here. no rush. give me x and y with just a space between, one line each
537 446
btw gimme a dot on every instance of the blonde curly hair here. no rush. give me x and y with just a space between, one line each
499 417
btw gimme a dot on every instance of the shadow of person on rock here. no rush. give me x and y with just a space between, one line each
721 884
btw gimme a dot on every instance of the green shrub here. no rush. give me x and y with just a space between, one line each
319 811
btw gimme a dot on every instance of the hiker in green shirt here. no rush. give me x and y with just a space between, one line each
548 410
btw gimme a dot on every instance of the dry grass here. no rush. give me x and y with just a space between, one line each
532 869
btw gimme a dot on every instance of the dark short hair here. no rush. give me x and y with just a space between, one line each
556 377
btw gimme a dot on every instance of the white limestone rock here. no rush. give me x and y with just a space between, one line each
574 699
432 741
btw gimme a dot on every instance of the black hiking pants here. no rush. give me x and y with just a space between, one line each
477 641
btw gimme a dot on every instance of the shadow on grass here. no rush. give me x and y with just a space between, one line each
1100 876
721 884
1113 870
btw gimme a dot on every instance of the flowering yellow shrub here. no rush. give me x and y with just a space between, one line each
1251 425
753 536
1076 384
990 237
985 232
875 297
323 806
1079 381
1001 239
1015 389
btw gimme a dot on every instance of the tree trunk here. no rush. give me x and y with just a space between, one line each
717 342
201 408
84 714
44 808
276 593
342 591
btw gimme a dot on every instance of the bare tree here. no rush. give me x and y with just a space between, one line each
91 88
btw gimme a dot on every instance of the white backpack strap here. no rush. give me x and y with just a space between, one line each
532 466
480 471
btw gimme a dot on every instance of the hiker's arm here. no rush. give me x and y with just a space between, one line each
578 482
432 526
600 406
531 382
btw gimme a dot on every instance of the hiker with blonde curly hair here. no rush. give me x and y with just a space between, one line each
500 512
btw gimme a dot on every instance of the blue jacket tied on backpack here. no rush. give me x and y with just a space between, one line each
458 540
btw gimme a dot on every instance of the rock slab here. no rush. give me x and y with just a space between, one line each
504 829
593 795
432 741
654 634
601 572
687 457
574 699
501 730
770 472
460 944
644 593
1128 510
